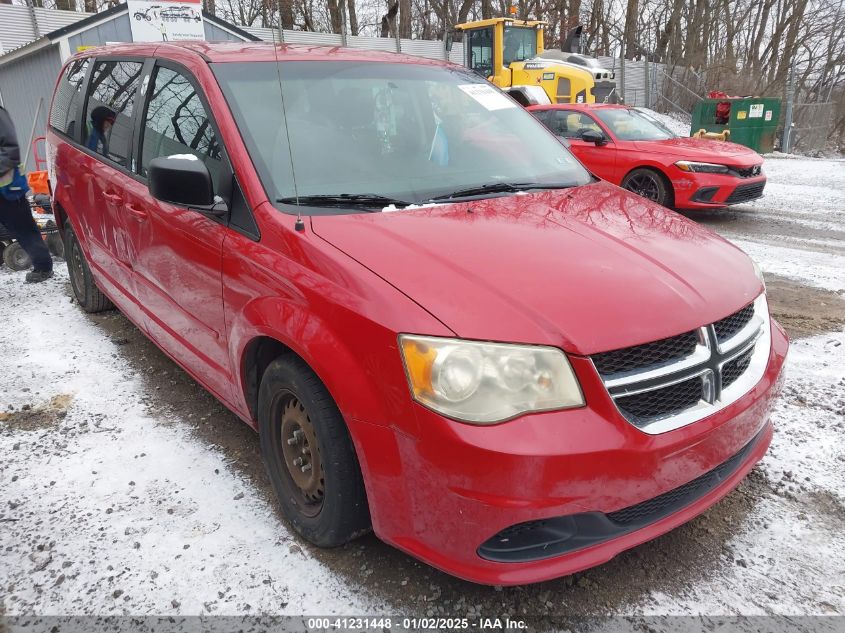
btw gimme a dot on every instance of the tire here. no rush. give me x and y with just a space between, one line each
56 245
649 184
16 258
326 504
90 298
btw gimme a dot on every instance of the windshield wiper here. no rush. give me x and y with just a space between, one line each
500 187
345 200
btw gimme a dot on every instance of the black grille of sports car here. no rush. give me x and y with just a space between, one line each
747 172
744 193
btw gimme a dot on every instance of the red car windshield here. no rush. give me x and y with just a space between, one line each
400 131
630 125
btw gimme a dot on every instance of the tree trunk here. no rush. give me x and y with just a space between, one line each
63 5
630 35
405 18
286 13
353 17
388 20
334 15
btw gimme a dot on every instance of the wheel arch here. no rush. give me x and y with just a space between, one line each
261 333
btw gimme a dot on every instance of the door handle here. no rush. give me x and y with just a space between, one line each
112 197
137 213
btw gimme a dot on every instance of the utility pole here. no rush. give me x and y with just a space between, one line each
622 72
786 141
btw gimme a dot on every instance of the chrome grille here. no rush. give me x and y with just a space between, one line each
667 384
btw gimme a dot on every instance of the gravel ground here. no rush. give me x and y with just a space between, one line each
126 489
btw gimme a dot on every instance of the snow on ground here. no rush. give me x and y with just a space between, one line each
106 510
788 558
808 191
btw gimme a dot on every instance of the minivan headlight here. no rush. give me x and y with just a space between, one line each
704 168
485 383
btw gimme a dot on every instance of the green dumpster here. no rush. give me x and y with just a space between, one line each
753 121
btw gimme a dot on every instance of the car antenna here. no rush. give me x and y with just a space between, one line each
299 225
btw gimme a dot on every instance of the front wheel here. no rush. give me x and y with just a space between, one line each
309 455
650 185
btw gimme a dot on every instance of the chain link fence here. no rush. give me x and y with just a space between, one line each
812 124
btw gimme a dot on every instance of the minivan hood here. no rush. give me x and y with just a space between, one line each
588 269
703 149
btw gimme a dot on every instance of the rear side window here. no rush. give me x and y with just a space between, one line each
66 102
176 122
111 99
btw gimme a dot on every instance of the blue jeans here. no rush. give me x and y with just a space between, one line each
16 216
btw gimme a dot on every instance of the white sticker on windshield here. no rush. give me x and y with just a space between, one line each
488 96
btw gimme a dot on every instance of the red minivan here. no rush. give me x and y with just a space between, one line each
441 325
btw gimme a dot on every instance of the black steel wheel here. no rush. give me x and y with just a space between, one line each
309 455
649 184
87 294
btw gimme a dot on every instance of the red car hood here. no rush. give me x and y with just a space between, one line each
587 269
703 150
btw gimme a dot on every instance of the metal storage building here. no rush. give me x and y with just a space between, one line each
28 73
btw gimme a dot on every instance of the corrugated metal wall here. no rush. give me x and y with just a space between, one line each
635 79
115 30
22 83
214 33
17 29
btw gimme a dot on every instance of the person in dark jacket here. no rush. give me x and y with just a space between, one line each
102 119
15 213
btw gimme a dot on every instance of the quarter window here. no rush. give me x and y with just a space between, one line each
176 122
111 98
66 102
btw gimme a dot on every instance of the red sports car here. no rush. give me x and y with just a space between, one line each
631 149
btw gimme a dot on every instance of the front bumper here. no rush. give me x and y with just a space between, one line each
439 489
714 191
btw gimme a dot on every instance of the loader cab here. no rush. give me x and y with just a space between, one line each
508 53
491 46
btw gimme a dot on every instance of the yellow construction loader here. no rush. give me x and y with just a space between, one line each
510 53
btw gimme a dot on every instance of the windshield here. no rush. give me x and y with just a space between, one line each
520 44
629 125
395 131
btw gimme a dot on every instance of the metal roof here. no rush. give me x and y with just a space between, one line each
59 27
20 24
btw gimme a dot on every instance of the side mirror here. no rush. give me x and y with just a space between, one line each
184 180
591 136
